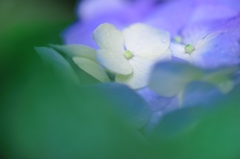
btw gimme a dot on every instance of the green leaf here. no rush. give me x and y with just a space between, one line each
53 58
210 134
124 101
51 119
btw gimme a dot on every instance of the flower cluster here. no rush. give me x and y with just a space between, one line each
157 48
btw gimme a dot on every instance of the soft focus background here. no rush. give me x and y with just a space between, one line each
44 115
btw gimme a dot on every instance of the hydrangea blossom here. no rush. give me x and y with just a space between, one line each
128 55
196 45
131 54
200 33
209 44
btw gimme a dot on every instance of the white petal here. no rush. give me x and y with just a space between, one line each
108 37
137 79
179 52
141 70
146 41
113 61
165 56
92 68
151 61
77 50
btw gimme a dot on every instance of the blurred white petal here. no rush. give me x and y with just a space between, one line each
142 68
138 78
108 37
113 61
145 41
77 50
168 79
92 68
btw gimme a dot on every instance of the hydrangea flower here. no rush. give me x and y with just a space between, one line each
191 47
131 54
210 44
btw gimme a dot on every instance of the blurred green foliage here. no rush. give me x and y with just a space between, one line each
211 134
43 115
25 24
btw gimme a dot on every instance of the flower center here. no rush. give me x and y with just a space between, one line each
128 54
189 48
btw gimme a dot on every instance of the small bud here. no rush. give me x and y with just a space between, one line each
189 48
128 54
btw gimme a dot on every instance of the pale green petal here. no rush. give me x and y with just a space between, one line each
108 37
168 79
77 50
179 52
221 78
225 86
145 41
92 68
114 62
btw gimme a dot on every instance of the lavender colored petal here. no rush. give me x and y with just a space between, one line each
234 4
87 10
90 9
224 46
172 104
200 94
229 42
171 15
176 122
155 101
212 10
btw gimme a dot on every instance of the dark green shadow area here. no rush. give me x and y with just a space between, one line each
43 115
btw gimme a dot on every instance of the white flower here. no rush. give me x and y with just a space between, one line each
132 53
193 48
